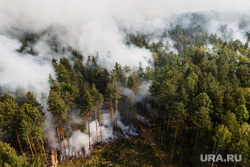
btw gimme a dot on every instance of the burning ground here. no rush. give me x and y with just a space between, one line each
137 151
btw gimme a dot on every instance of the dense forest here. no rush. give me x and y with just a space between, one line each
198 101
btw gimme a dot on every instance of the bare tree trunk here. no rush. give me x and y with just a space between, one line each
12 140
59 139
175 136
7 139
44 151
30 147
60 130
63 136
19 141
33 145
110 112
116 112
100 122
235 164
96 120
132 103
196 138
112 118
130 113
168 120
90 116
69 128
45 140
89 129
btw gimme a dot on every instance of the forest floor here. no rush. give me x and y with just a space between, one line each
138 151
147 136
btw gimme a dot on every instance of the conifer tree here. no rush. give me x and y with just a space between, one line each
100 102
201 115
109 100
117 97
58 110
86 105
133 84
8 113
10 158
119 74
94 95
29 119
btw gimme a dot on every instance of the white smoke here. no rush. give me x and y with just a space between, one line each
97 27
143 91
78 144
79 141
22 70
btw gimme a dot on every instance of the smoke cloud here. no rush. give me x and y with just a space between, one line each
21 70
78 144
96 28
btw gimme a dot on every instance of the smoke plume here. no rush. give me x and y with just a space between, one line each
99 28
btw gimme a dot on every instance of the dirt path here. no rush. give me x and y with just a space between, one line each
148 137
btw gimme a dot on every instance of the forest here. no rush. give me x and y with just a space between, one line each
195 94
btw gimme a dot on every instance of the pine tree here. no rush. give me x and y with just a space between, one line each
133 84
201 115
119 73
9 157
29 121
117 97
8 113
241 113
58 110
109 100
221 140
94 95
86 105
100 102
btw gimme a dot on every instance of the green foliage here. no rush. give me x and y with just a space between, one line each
202 100
8 111
123 153
127 153
109 93
87 100
56 105
119 73
202 94
134 82
231 122
10 158
37 161
241 113
222 137
201 118
30 121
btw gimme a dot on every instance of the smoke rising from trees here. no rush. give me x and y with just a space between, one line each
98 28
